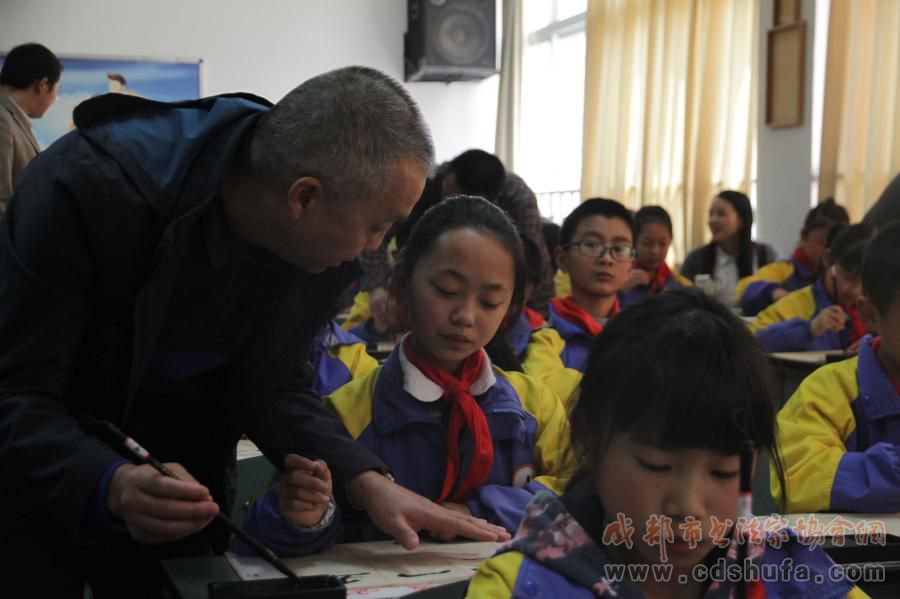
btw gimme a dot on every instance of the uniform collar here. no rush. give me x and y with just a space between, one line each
567 328
424 389
875 387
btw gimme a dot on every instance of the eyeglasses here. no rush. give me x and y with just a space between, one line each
595 249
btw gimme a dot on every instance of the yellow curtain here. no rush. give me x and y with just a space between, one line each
670 105
861 125
509 102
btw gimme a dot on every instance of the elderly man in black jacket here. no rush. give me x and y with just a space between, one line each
166 267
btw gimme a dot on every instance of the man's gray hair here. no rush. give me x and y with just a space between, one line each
347 127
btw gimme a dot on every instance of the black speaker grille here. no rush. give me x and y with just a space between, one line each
463 35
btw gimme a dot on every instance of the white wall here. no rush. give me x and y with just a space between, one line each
784 159
264 46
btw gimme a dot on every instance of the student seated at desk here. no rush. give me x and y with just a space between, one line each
774 281
596 250
337 358
840 432
659 454
821 316
650 274
448 424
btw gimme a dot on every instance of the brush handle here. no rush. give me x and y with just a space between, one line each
141 454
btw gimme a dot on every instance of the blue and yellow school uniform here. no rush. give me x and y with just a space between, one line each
553 555
519 334
557 355
543 361
397 413
784 326
754 293
360 311
562 344
839 436
672 283
337 358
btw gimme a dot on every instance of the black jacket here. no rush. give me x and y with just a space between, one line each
89 250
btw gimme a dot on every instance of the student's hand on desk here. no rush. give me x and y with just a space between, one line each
637 276
401 513
831 318
853 348
305 490
156 508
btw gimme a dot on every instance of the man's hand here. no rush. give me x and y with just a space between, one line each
831 319
156 508
401 513
305 490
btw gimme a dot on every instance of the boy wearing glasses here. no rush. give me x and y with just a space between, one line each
596 250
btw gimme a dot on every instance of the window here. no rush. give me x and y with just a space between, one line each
548 155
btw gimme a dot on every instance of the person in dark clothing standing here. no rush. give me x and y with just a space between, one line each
166 267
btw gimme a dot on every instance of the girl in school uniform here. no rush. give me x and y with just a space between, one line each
774 281
659 481
821 316
732 254
447 424
650 274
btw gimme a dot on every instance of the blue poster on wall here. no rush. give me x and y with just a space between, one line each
83 78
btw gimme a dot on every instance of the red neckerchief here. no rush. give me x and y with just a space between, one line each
464 412
658 282
535 320
858 330
876 343
568 309
756 589
800 256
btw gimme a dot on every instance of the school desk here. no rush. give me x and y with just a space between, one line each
855 554
792 367
374 570
380 350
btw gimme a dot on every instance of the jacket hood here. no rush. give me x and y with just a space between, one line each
159 145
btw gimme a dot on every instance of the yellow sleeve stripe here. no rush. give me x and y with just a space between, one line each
359 311
798 304
774 272
355 358
812 429
543 353
684 280
554 459
353 402
496 577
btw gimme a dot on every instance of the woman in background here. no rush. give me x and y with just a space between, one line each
732 254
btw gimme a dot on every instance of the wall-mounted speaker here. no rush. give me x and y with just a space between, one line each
450 40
